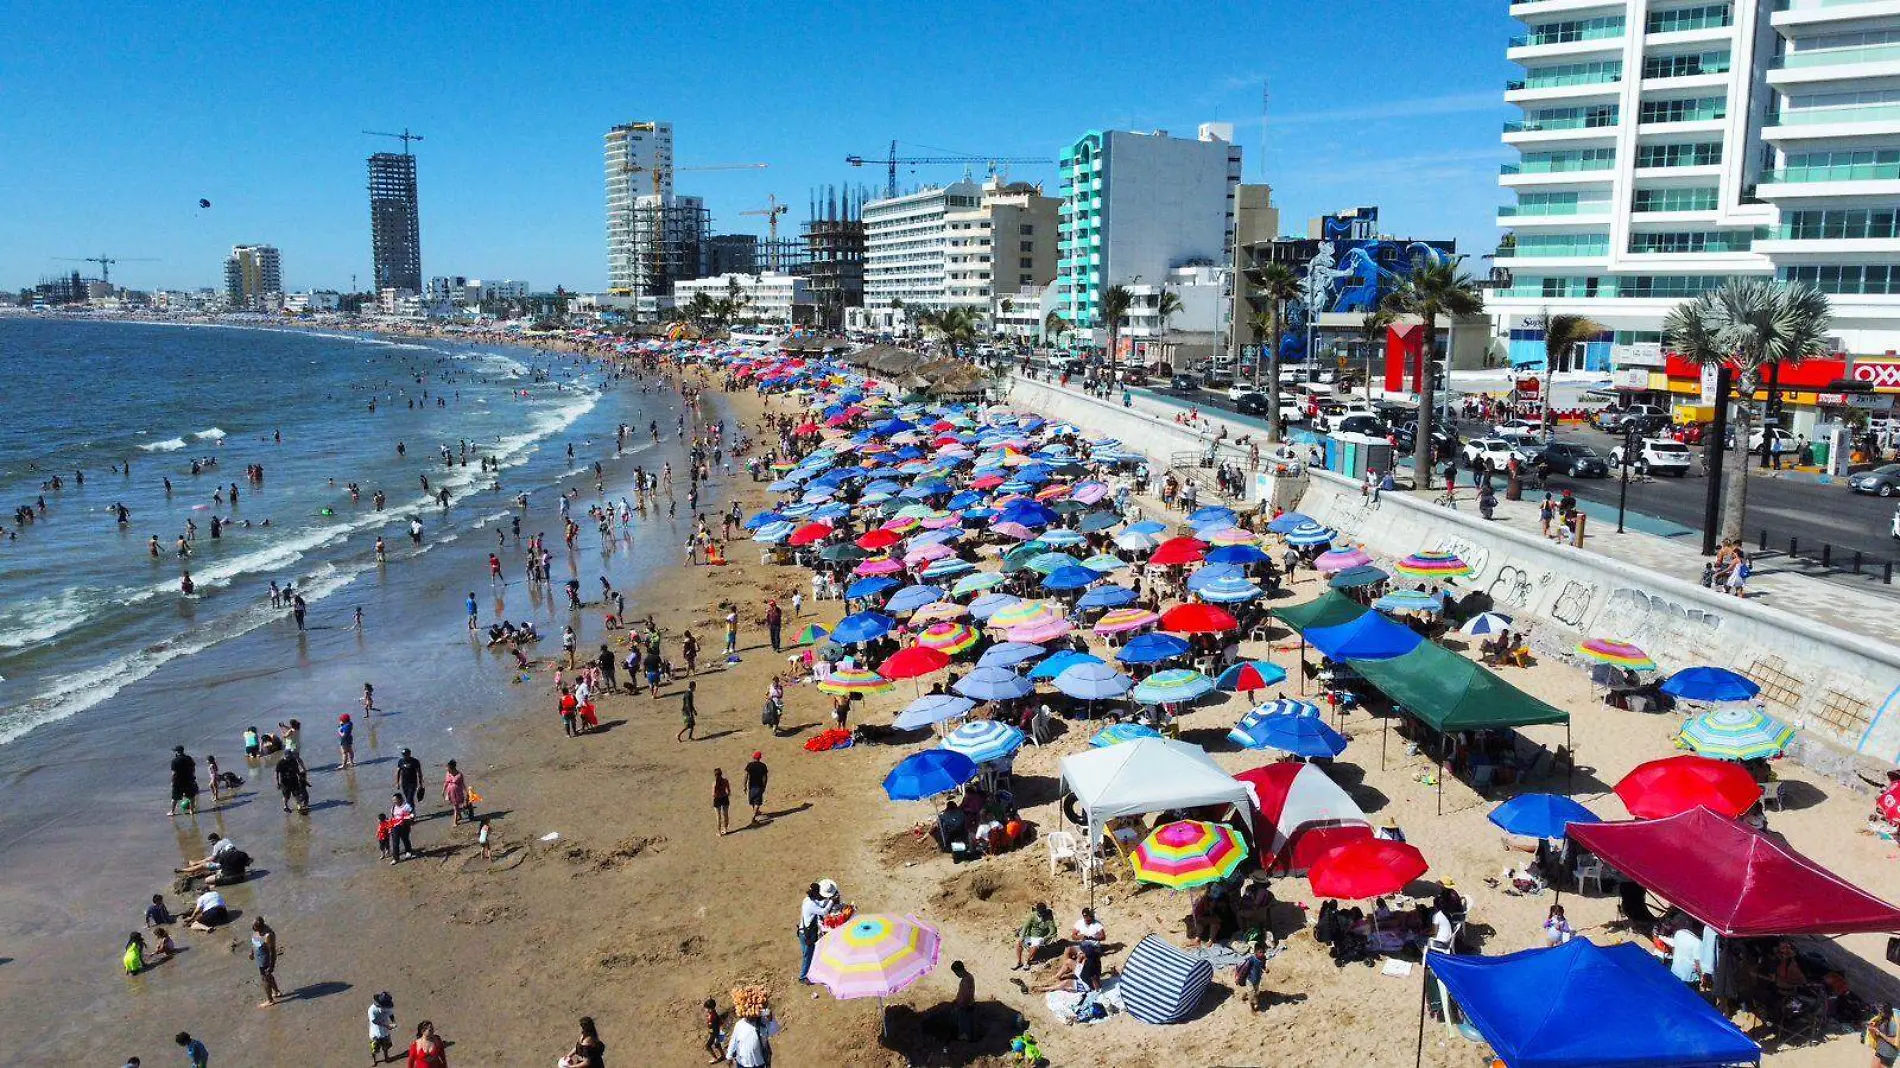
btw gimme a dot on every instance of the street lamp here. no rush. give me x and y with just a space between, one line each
1631 435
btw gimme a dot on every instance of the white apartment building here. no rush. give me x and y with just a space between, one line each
1006 243
1202 291
639 162
254 276
315 300
769 298
1021 314
1137 205
1667 145
906 245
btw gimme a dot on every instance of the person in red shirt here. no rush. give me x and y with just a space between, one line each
569 709
428 1051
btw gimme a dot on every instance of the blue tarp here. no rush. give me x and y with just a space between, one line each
1582 1005
1369 637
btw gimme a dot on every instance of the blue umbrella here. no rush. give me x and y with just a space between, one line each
1540 815
1009 654
831 511
1210 515
1306 736
932 537
1148 526
1356 577
1710 684
1229 589
1287 706
1058 663
1410 601
991 603
1117 733
1093 682
963 500
934 708
763 519
869 587
911 598
774 532
1172 687
1216 573
1061 538
948 567
863 627
984 740
1028 513
1310 533
1288 522
927 774
1106 597
1152 648
1237 554
1070 577
993 684
1097 521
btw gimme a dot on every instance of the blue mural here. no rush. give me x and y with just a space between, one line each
1350 269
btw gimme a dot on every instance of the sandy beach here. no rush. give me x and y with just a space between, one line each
636 910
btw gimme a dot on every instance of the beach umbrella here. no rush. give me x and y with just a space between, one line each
811 634
1410 601
993 684
911 598
1151 649
1333 561
1042 630
1176 551
1241 555
1198 619
938 611
1018 558
1287 706
913 662
1188 853
1250 675
1121 620
1057 663
1136 541
1211 513
979 580
1228 589
869 587
1485 623
1310 533
1357 578
1009 654
1106 597
1022 613
882 565
862 627
949 567
1710 684
1070 577
1288 522
1673 785
924 554
1230 538
1736 734
810 533
773 533
927 774
761 520
854 680
879 538
1439 565
1048 563
1149 526
1619 654
1103 563
990 603
1540 815
1061 538
1117 733
841 553
1095 522
932 709
1364 868
1289 732
948 637
984 740
1173 686
1889 803
1012 530
1093 682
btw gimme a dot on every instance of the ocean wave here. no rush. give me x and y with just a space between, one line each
45 618
210 434
168 445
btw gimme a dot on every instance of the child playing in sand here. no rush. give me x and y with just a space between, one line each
162 945
382 835
134 957
483 839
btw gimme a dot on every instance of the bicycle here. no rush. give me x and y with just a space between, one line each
1447 499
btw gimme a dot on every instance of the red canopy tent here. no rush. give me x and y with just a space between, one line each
1304 814
1737 880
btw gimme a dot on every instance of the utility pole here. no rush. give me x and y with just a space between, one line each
1712 446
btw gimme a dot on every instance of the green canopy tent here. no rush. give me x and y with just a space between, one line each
1329 609
1449 693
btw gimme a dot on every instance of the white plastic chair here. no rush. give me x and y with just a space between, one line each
1771 795
1061 847
1039 727
1590 869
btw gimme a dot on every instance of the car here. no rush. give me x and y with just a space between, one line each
1362 423
1661 455
1489 454
1785 442
1444 442
1185 383
1332 414
1612 419
1690 433
1573 459
1883 481
1518 428
1251 403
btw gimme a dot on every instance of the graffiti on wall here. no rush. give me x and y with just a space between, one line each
1572 606
1477 556
1513 588
1656 621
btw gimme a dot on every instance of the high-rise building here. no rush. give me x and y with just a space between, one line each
834 242
732 254
639 162
395 223
1667 146
958 246
1137 205
253 276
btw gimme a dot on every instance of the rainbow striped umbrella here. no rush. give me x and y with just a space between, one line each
855 680
1736 734
1122 620
1024 613
1042 630
1230 536
1622 654
1188 853
1335 560
947 637
1117 733
874 956
1439 564
1172 686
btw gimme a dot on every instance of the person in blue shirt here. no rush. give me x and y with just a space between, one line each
473 611
196 1054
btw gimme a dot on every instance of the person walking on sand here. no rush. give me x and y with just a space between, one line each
382 1022
455 791
409 778
732 630
688 713
264 955
428 1051
402 819
756 774
346 740
184 782
965 1002
474 610
722 801
774 622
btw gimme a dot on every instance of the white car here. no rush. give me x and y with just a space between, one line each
1662 456
1518 428
1489 454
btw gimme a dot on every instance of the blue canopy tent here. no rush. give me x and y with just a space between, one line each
1370 637
1581 1005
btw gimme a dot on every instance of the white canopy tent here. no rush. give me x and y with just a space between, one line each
1148 775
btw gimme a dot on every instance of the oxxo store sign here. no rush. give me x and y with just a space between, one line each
1882 373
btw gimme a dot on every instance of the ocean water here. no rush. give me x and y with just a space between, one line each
86 610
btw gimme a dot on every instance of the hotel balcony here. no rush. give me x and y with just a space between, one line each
1830 14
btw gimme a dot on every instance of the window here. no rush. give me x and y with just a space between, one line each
1594 29
1686 65
1674 200
1841 224
1880 279
1562 245
1027 246
1588 159
1670 286
1699 154
1026 229
1694 241
1697 110
1699 17
1608 70
1025 263
1840 166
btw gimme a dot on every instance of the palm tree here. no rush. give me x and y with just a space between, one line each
957 325
1279 285
1053 325
1750 324
1432 290
701 310
1167 306
1116 301
1562 335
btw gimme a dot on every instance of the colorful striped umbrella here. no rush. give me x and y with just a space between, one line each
1228 588
1024 613
980 580
949 567
947 637
991 603
1736 734
1310 533
855 680
1250 675
874 956
1188 853
811 634
984 740
772 533
1621 654
1042 630
1438 564
1122 620
1173 686
1230 536
1335 560
1117 733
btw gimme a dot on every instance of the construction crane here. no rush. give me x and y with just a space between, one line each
105 263
893 159
405 137
660 173
772 210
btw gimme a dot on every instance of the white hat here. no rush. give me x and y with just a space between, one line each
827 888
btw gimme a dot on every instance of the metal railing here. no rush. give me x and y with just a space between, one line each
1827 556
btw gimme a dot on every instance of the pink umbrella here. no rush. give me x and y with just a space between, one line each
1122 620
937 611
1013 530
1040 631
1089 492
938 522
924 554
879 565
1336 560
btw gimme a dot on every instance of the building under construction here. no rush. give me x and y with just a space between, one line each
672 238
395 224
834 246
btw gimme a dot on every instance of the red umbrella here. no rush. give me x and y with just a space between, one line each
1365 867
913 662
1677 784
1889 803
1178 551
806 430
809 533
987 482
879 538
1197 618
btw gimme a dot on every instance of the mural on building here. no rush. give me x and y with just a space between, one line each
1349 268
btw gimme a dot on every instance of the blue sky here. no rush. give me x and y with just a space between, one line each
115 119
